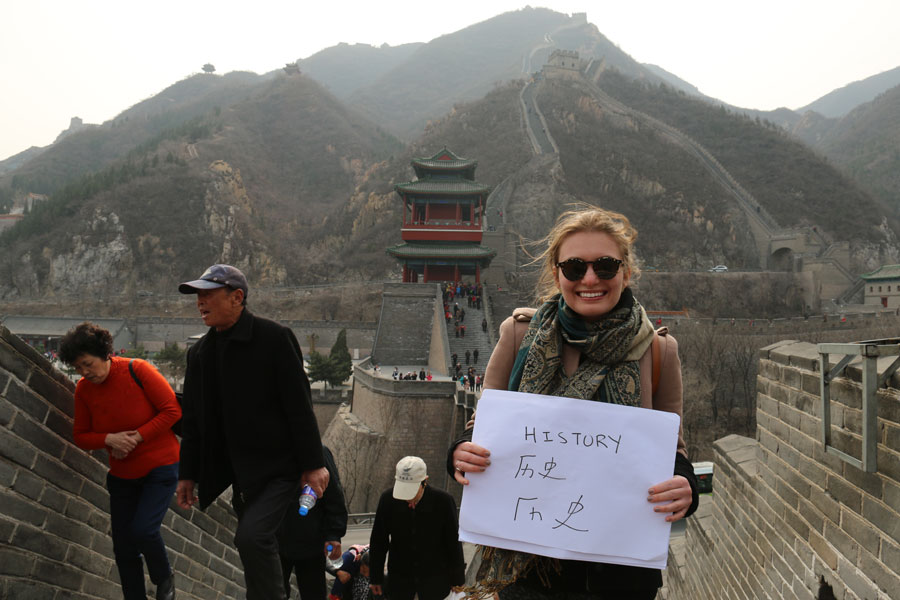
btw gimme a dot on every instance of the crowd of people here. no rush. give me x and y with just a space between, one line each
422 375
246 421
456 314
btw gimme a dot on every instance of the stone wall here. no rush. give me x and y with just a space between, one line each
54 521
326 403
439 350
386 421
153 333
407 313
786 519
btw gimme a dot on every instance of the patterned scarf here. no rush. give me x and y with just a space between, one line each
609 372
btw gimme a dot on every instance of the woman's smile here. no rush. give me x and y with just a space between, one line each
591 297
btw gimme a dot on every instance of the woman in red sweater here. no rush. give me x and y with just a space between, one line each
131 415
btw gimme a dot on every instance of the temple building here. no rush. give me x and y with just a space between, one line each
443 221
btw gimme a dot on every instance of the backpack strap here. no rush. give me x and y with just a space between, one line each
521 321
135 377
654 361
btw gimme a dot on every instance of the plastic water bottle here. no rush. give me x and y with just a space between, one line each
335 564
308 499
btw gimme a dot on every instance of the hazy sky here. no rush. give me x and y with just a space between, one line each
95 58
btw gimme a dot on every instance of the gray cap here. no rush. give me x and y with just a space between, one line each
215 277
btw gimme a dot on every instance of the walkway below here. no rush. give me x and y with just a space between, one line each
474 338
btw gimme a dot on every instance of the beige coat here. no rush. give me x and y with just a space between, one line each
668 395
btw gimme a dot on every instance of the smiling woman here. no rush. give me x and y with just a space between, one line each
589 339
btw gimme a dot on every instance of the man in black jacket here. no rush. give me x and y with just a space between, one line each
417 525
303 541
247 422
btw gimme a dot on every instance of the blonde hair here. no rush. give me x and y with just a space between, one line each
584 218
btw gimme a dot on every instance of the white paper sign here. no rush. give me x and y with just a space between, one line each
569 478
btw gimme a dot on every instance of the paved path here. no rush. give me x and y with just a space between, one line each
474 339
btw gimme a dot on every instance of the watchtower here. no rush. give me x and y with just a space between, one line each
443 221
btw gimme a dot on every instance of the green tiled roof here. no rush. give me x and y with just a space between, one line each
883 272
437 186
441 251
444 159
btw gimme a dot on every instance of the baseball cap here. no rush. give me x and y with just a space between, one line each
215 277
411 472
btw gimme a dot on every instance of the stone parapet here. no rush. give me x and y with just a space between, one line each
54 508
788 520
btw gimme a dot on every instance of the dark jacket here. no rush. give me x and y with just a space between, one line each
425 553
304 537
257 423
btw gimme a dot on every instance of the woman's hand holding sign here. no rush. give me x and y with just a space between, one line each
469 458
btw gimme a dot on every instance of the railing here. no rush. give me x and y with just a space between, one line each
360 520
852 291
869 351
441 223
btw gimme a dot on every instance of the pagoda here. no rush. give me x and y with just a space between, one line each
443 221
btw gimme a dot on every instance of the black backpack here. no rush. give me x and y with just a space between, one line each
176 427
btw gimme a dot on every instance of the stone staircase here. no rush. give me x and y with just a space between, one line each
404 326
474 339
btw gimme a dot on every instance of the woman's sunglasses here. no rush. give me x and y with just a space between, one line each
575 269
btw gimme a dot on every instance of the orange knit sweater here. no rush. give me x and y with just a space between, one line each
118 404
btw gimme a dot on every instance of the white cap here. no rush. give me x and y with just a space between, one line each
411 472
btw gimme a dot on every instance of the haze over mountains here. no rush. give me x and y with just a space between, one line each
291 176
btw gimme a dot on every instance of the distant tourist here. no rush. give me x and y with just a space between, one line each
416 528
127 408
304 541
351 580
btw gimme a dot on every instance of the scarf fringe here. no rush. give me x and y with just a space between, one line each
500 568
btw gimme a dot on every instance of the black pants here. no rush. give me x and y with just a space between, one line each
518 592
136 510
258 520
402 588
587 581
310 574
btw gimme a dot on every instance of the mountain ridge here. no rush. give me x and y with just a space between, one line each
277 175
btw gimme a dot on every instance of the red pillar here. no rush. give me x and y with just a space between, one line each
405 273
456 271
427 212
477 274
425 272
458 212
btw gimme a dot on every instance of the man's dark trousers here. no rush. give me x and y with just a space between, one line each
258 521
310 576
